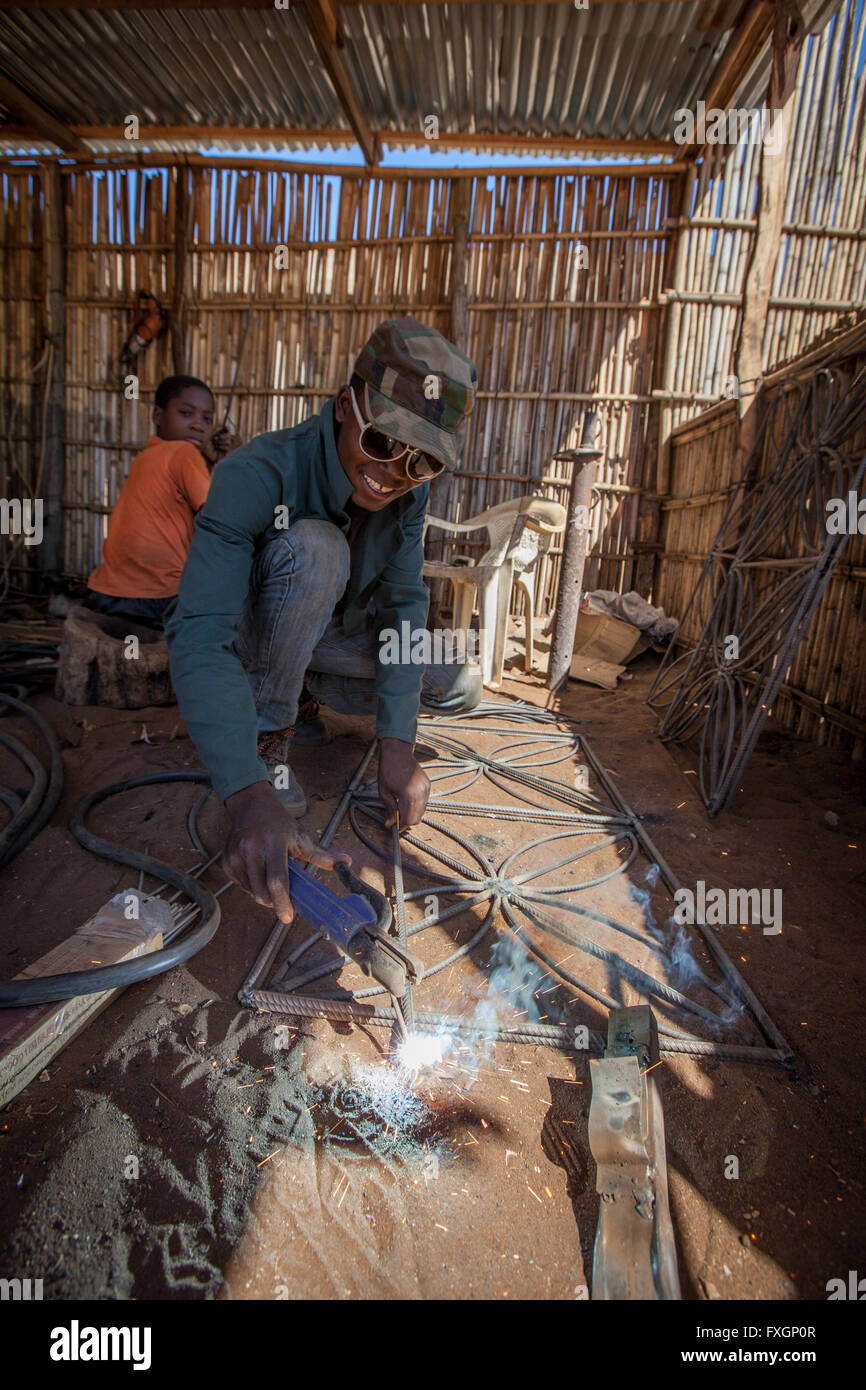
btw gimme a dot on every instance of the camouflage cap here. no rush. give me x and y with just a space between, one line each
420 387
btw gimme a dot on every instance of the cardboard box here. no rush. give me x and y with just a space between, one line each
602 648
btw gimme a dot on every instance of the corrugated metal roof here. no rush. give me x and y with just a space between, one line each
611 71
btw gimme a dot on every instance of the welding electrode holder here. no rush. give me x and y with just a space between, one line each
359 924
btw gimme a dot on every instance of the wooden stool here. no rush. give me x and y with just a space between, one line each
95 666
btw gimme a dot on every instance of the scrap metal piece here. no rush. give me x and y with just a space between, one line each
635 1254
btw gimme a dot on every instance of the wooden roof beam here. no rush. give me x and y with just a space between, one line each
38 119
744 47
127 5
545 145
752 32
328 37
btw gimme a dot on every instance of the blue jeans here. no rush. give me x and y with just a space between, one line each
288 636
146 610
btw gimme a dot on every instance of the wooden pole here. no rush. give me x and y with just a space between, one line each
459 289
39 119
444 488
327 34
177 318
51 473
574 552
658 434
772 192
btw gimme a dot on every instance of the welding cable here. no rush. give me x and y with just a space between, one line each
44 793
184 945
192 822
39 666
10 687
10 798
34 793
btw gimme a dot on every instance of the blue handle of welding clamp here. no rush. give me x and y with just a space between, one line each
338 918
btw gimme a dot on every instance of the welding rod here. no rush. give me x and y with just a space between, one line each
404 1009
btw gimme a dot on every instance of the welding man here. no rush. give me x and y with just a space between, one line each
152 521
310 545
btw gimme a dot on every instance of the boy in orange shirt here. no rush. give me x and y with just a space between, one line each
151 525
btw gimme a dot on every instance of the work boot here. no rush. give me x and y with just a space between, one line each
310 731
451 688
273 749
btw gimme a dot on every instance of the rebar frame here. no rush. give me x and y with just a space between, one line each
724 698
516 909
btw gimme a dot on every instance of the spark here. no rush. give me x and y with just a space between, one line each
422 1050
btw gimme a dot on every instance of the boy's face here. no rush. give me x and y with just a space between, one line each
367 476
188 417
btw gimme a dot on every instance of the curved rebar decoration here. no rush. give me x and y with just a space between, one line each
520 909
763 579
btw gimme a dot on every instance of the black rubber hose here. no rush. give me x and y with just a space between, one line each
12 843
19 993
30 805
10 798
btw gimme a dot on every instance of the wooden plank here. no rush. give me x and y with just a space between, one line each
123 160
128 5
40 120
328 136
31 1037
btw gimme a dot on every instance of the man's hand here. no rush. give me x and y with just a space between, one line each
403 783
221 442
262 837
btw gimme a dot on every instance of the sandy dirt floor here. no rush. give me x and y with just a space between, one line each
278 1159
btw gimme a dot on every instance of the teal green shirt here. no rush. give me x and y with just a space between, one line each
298 469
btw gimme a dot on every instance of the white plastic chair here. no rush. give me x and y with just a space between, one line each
520 533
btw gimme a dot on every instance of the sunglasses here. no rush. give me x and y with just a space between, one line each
382 448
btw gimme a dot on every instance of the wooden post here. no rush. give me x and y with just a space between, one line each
772 189
575 548
177 318
459 292
673 317
53 461
444 489
656 470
